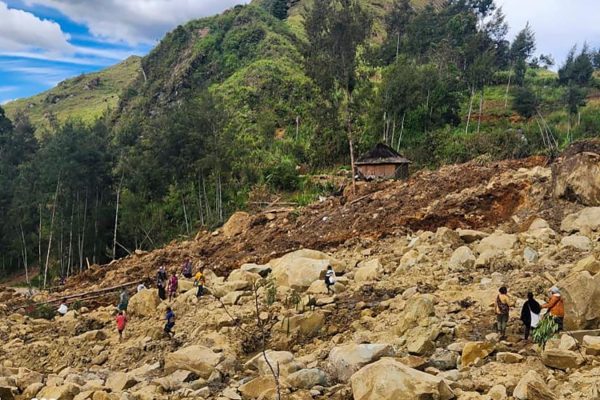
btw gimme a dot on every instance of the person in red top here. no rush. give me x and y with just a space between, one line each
172 286
121 322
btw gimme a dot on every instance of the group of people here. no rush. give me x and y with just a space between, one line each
530 312
166 286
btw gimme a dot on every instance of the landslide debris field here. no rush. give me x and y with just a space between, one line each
418 266
472 195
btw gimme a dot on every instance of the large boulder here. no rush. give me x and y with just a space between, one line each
475 350
581 295
307 378
283 359
418 309
144 303
307 324
389 379
498 241
119 381
561 359
589 264
585 221
368 271
63 392
578 242
198 359
532 387
591 344
299 269
256 387
238 223
462 258
577 178
347 359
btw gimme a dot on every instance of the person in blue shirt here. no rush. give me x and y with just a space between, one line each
170 318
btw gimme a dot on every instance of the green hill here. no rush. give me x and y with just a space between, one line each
85 97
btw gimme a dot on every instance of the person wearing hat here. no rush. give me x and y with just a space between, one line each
556 307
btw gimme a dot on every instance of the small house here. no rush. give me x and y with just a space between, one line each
382 162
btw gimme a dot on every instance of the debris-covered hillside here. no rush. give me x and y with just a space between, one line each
418 267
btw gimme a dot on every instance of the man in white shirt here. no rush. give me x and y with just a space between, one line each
63 309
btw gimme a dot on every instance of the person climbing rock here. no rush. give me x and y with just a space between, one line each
199 282
141 287
186 270
172 286
170 318
161 282
530 314
63 309
329 279
123 301
502 311
556 307
121 323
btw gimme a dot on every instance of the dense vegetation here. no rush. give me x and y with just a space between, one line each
233 107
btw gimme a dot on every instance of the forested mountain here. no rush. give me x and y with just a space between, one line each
85 97
234 106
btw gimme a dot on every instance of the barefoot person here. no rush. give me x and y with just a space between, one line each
121 323
530 314
170 318
502 311
556 307
199 282
172 286
329 279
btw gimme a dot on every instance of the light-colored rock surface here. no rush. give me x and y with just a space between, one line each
144 303
578 178
346 360
198 359
389 379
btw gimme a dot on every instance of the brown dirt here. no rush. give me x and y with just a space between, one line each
457 196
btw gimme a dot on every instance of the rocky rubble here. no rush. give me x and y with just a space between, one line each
411 317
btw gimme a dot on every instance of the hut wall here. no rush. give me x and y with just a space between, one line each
402 171
379 171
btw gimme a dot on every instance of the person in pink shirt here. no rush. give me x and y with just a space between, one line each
121 323
172 286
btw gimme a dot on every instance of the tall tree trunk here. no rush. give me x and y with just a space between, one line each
481 100
470 110
70 252
200 206
507 88
350 141
185 216
95 242
83 228
114 249
51 233
40 240
401 132
25 255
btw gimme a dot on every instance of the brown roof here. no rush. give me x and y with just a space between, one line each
382 154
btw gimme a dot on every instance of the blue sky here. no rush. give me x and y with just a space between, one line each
43 42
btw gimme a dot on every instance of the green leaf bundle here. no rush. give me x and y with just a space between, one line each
545 330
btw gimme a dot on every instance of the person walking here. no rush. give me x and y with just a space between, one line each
556 307
172 286
161 282
121 323
123 301
530 314
330 279
170 318
502 311
186 270
199 282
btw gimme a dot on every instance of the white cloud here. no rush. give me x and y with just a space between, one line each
558 24
21 31
134 21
